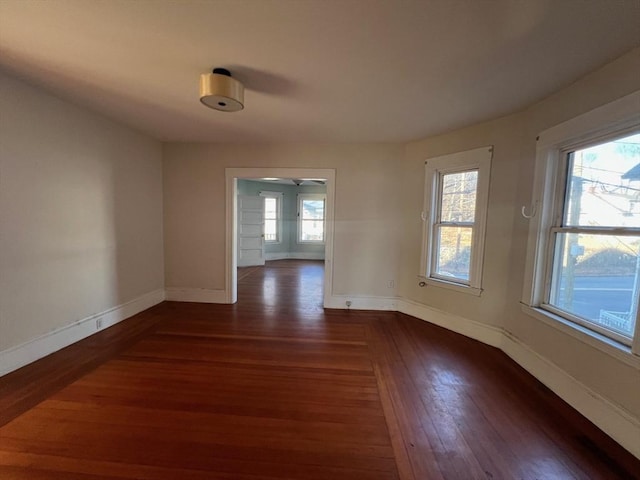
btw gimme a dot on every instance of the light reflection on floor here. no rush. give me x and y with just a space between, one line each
270 291
286 286
310 291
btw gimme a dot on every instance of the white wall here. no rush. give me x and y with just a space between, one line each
367 234
80 214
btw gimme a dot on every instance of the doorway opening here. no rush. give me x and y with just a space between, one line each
279 215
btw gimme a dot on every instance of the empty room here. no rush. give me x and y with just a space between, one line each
319 239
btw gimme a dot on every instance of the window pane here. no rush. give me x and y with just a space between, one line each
270 231
270 208
312 209
454 252
271 219
596 278
311 219
458 203
312 230
603 184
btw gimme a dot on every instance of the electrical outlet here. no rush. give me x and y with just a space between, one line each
391 283
98 323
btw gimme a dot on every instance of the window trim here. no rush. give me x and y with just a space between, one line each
477 159
311 196
608 121
278 196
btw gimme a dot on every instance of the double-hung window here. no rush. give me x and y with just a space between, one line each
456 192
311 216
584 244
272 216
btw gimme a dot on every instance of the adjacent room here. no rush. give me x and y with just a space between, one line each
319 239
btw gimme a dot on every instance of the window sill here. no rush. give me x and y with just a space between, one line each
593 339
451 286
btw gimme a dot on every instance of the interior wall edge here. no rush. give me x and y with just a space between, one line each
485 333
362 302
18 356
294 256
198 295
612 419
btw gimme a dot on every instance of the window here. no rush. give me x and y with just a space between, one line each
594 245
311 214
272 216
456 191
584 244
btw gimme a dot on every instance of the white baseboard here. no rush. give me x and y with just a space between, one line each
359 302
619 424
201 295
16 357
294 255
484 333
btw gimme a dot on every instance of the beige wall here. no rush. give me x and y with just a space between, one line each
367 233
505 135
80 213
514 140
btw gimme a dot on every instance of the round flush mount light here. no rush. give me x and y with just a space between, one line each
220 91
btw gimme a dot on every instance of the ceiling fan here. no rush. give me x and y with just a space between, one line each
299 181
295 181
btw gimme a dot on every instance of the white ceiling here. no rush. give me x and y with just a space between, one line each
314 70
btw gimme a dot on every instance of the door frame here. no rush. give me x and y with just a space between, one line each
231 207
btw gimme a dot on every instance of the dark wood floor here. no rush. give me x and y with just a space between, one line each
275 387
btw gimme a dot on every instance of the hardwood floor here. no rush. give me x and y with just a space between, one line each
275 387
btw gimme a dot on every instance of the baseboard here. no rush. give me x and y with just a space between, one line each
294 255
16 357
359 302
201 295
275 256
487 334
620 425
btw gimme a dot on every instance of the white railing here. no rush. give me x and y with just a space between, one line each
616 320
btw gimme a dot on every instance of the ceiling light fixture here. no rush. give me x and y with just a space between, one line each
218 90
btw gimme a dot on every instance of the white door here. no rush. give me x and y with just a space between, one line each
250 230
